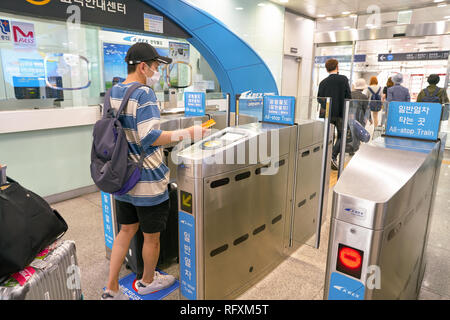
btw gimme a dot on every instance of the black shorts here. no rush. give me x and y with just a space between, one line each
152 219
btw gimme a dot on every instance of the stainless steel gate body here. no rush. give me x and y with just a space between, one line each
382 206
243 216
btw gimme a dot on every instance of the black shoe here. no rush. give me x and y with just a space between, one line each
334 164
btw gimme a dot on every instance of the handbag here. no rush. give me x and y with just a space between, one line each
27 226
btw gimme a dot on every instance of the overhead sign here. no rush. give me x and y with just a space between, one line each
23 35
121 14
413 56
414 120
194 104
341 58
279 109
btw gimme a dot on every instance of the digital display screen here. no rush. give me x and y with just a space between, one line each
349 261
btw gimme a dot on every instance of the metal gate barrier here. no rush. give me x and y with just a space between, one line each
237 219
382 205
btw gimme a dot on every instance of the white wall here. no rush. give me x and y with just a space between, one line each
259 23
299 34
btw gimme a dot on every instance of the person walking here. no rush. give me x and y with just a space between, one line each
373 93
433 93
397 92
336 87
389 84
146 206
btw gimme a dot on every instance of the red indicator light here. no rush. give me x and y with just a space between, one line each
350 258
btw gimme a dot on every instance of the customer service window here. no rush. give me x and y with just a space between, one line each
47 64
53 64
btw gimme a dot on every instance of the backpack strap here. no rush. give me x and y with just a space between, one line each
378 92
370 89
107 109
127 96
107 104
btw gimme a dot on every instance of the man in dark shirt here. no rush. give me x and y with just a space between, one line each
337 88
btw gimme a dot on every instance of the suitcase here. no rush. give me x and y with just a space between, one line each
168 252
56 277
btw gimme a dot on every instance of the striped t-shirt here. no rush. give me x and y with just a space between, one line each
141 120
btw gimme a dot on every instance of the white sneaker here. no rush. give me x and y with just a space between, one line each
160 281
109 295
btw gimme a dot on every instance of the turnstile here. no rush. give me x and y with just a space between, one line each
236 204
382 205
176 121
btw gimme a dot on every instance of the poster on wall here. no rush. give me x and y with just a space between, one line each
115 67
179 51
153 23
23 34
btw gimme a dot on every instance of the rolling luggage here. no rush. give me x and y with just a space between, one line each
168 252
53 275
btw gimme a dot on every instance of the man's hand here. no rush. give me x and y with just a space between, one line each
198 131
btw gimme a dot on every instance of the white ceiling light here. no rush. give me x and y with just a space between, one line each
441 5
239 8
329 18
261 4
284 1
353 15
346 12
437 1
320 16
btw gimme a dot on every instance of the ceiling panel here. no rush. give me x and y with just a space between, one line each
335 8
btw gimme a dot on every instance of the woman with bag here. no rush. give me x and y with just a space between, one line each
373 92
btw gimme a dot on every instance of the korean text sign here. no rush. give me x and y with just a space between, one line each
194 104
108 219
279 109
188 279
414 120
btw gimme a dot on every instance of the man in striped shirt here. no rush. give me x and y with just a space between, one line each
146 206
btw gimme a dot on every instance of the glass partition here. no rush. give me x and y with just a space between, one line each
70 65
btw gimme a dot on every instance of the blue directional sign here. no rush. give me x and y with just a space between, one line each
188 278
417 120
413 56
279 109
194 104
108 224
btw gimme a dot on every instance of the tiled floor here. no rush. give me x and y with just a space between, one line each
300 276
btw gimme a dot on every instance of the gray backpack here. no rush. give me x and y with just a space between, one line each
111 169
432 98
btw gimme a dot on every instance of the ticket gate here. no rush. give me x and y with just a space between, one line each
176 121
236 191
382 205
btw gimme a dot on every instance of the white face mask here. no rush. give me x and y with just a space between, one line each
153 79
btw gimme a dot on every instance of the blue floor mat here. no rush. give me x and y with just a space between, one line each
127 284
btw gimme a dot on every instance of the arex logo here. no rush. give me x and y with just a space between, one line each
346 291
356 212
38 2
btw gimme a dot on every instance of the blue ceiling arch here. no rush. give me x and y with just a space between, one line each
237 66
